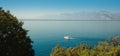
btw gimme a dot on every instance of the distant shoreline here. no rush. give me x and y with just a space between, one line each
61 20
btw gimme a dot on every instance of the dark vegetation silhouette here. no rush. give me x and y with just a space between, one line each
13 38
111 47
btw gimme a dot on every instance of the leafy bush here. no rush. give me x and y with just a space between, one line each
13 38
102 49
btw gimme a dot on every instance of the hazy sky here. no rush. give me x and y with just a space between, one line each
64 9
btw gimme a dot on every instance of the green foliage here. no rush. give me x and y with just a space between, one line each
114 40
58 51
13 38
102 49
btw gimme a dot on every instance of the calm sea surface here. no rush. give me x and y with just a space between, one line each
46 34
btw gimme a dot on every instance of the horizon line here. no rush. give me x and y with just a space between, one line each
61 20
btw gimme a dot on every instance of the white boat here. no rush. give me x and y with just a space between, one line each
66 37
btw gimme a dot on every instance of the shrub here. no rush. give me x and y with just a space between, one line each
102 49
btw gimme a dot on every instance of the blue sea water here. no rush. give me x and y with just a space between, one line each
46 34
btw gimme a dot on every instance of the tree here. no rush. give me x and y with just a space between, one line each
13 38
